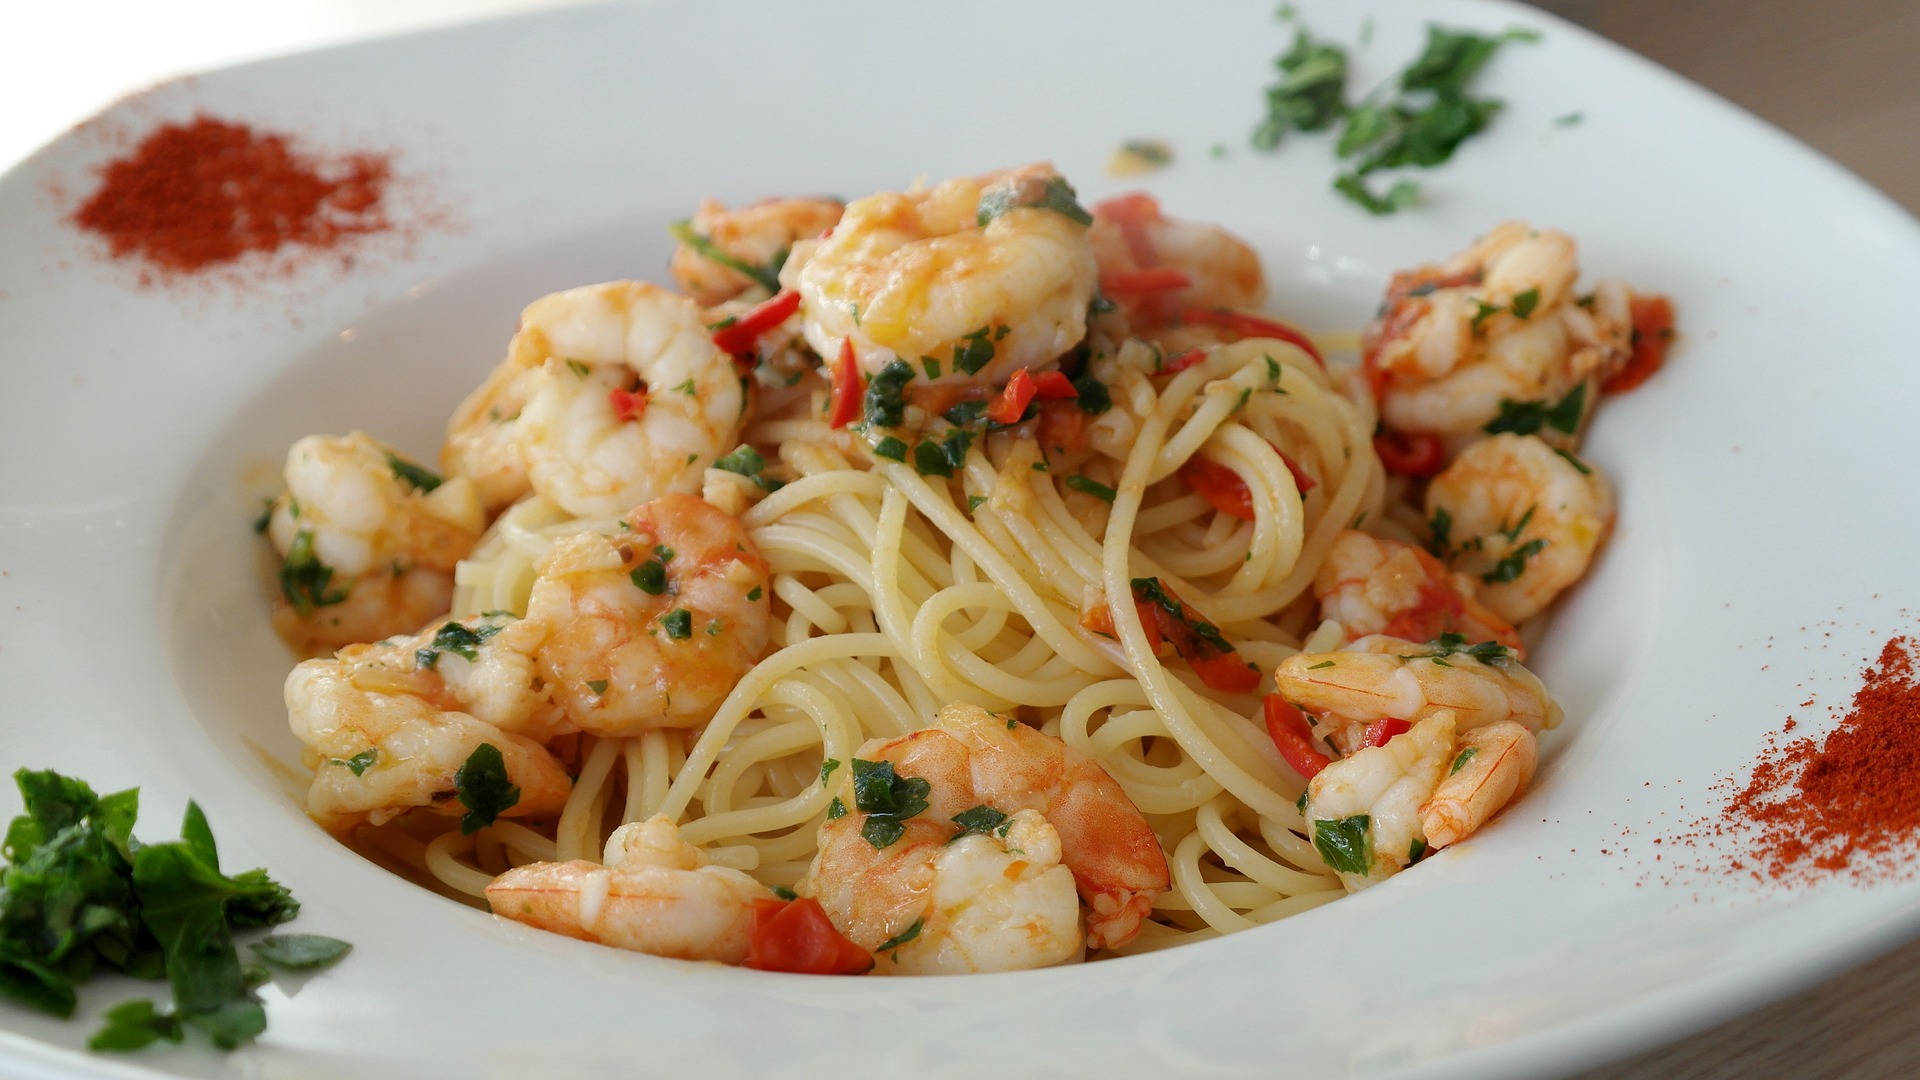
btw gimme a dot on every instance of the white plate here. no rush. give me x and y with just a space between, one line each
1755 501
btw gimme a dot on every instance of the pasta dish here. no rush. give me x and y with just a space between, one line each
957 579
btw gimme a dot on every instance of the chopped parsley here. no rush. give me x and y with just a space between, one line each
1524 303
304 578
941 457
975 352
359 763
890 448
1092 395
678 624
836 809
885 406
1452 644
754 593
932 366
783 892
748 462
457 639
1461 761
419 479
887 799
598 686
1345 844
982 819
1528 417
484 788
974 502
1321 664
1311 93
1510 568
1150 590
1056 195
901 938
1482 312
1575 462
579 369
1441 526
650 577
1416 850
1401 195
826 769
82 894
767 277
1091 487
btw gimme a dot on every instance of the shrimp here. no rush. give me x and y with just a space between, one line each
937 903
650 628
1495 328
1492 765
1385 678
1522 519
388 725
972 758
1372 585
1158 267
1363 811
610 394
937 273
368 542
655 894
716 242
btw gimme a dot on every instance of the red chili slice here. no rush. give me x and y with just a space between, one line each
1380 731
1224 671
1411 453
1287 727
1174 365
1053 386
797 936
846 389
1652 334
627 405
1226 492
1013 401
740 335
1247 326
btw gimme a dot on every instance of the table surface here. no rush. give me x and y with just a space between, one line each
1838 75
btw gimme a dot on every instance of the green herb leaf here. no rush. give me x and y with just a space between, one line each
455 638
981 819
413 475
1091 487
1345 844
941 457
598 686
932 366
901 938
1515 563
975 352
1056 195
301 952
1416 850
484 788
744 460
885 406
304 578
650 577
784 893
974 502
836 809
1575 462
754 593
1398 197
890 448
359 763
767 277
133 1025
1092 395
1310 95
1525 302
887 799
678 624
826 769
1441 526
1461 761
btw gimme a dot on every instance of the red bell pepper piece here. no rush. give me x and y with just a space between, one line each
1287 727
1226 492
846 389
1013 401
797 936
1053 386
1246 326
627 405
1411 453
740 335
1380 731
1652 333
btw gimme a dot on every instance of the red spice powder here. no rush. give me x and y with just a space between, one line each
1848 802
205 193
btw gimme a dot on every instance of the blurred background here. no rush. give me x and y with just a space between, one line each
1839 75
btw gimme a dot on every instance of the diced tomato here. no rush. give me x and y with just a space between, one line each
1173 365
1226 492
1220 486
1380 731
1652 333
1287 727
1222 670
1411 453
1254 326
1053 386
627 405
1145 280
797 936
846 389
1063 427
740 335
1013 401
